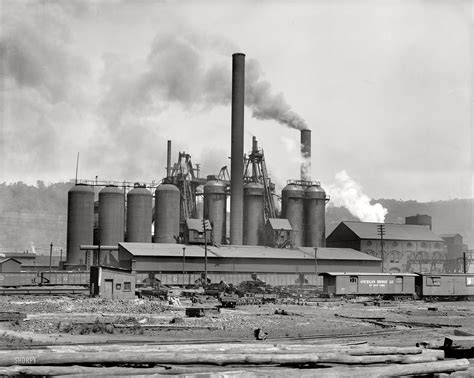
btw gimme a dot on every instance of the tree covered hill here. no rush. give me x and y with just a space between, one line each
37 216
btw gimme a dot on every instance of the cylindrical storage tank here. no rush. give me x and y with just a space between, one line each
315 205
166 214
292 208
80 222
139 209
215 209
254 220
111 215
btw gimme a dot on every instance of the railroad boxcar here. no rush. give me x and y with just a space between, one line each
378 284
16 279
445 286
65 278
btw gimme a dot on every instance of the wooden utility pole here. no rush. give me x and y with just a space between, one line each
381 232
184 264
50 255
205 250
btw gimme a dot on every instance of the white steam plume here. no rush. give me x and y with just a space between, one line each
348 193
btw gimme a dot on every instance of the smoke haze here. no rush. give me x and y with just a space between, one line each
348 193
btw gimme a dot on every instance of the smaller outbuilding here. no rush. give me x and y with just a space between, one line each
194 231
278 233
112 283
9 265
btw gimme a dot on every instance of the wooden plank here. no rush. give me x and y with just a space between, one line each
458 342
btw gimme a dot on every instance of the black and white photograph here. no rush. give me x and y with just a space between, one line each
237 188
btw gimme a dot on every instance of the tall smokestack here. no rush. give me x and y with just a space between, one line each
237 150
306 155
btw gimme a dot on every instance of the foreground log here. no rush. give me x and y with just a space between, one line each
246 348
378 371
392 370
42 357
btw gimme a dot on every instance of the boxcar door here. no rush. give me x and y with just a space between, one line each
109 289
398 287
353 284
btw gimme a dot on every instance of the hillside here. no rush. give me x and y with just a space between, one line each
37 215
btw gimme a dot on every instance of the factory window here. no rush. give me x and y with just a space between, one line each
423 245
470 281
433 281
369 242
436 245
127 286
409 244
394 257
118 286
395 244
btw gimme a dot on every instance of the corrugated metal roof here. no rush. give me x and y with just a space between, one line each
280 224
234 251
366 274
339 254
367 230
196 224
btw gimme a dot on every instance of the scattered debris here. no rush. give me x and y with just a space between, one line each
197 312
259 334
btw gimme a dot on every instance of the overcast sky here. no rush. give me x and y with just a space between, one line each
385 87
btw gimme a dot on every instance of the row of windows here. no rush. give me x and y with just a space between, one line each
396 256
409 244
127 286
436 281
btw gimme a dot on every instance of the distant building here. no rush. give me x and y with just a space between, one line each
406 248
419 220
278 233
9 265
454 245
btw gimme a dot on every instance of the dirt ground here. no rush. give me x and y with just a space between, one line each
66 320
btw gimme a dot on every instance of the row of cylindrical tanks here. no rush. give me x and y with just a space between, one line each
304 207
113 219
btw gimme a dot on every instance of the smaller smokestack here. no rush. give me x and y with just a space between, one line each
168 160
306 155
254 144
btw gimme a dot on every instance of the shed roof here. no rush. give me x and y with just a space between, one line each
234 251
9 258
393 231
449 235
196 224
280 224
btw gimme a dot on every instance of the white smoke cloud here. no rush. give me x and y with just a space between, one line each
348 193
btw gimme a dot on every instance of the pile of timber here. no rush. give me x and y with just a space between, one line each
321 360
